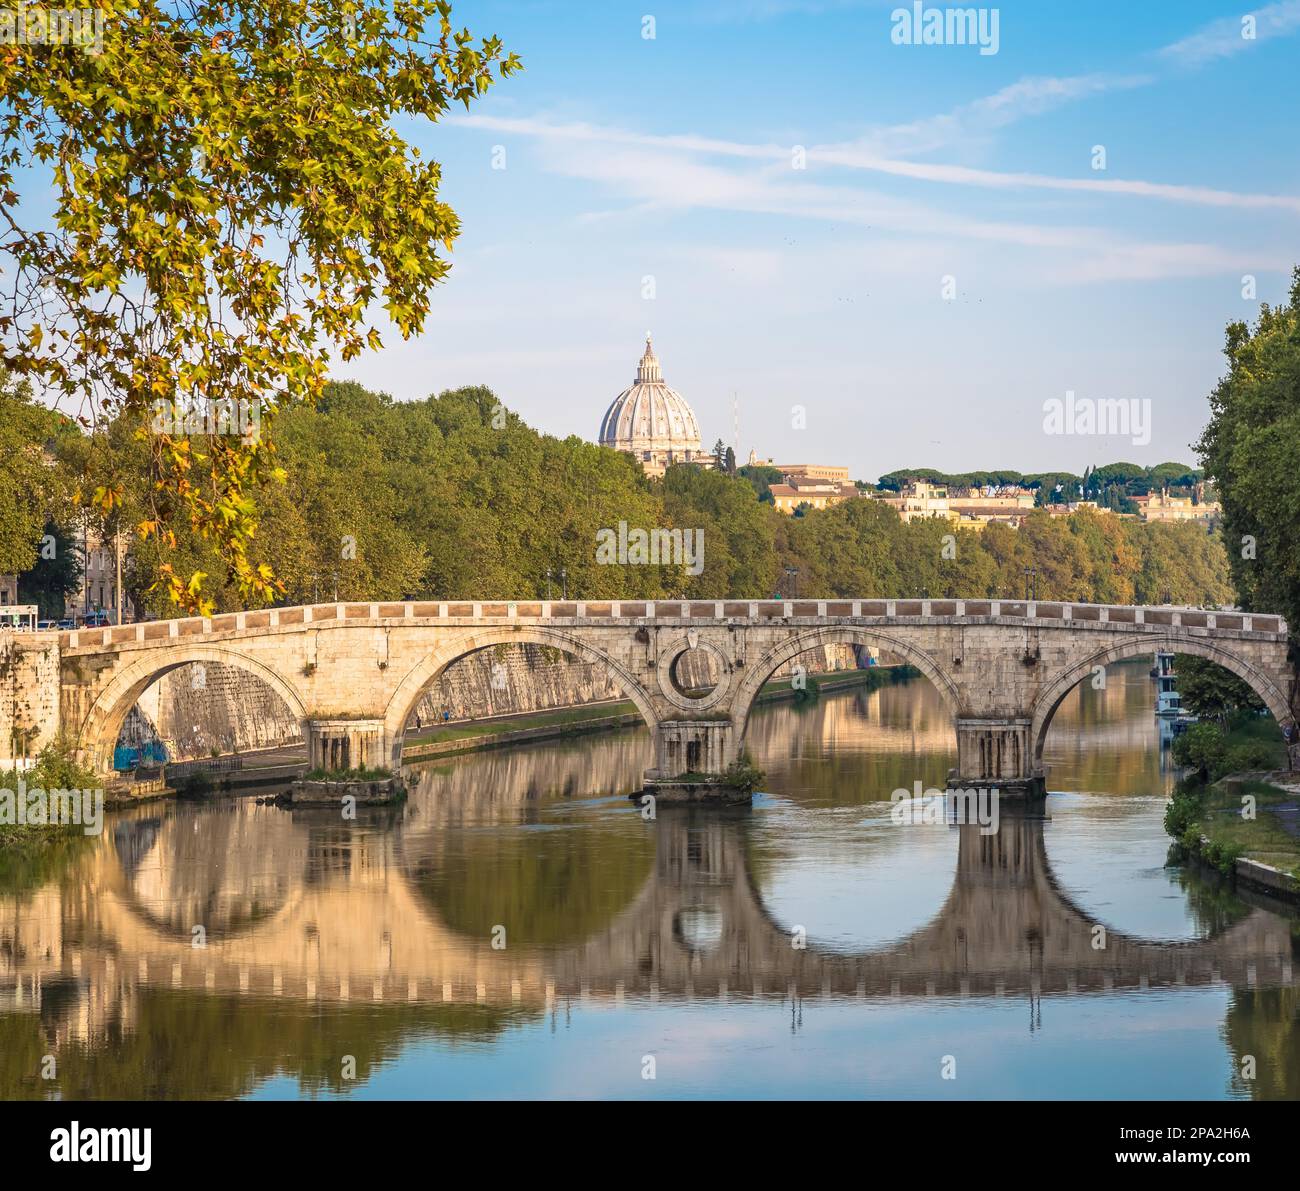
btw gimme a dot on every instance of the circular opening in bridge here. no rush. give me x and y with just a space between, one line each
698 928
694 673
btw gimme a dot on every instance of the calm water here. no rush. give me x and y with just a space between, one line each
517 929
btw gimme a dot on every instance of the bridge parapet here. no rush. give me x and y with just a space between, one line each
581 612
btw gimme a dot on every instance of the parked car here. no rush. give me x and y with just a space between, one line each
67 624
45 625
99 619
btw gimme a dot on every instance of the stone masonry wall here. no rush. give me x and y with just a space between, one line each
234 711
195 709
29 694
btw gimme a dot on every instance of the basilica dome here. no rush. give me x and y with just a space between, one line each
652 421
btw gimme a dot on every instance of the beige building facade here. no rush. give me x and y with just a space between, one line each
973 508
1160 506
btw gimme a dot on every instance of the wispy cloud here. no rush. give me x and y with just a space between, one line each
847 156
1232 35
1033 96
959 175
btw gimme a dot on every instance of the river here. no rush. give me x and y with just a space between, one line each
520 929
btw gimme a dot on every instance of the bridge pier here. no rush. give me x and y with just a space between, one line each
997 753
692 746
345 744
701 748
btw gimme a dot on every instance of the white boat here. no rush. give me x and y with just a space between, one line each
1169 703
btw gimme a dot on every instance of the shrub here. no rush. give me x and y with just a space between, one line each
194 784
743 774
1202 748
1249 754
1183 810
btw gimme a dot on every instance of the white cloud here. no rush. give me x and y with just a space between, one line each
1226 37
1026 97
700 185
959 175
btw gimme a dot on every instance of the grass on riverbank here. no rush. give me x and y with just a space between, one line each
870 679
1223 822
1218 817
31 853
465 730
1243 743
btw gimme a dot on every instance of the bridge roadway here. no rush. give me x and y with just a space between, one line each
353 672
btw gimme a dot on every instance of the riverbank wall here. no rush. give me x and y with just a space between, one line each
29 695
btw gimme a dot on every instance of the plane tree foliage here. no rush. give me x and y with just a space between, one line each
1251 447
233 206
30 490
1210 691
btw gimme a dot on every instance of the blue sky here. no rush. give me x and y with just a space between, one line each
781 193
671 158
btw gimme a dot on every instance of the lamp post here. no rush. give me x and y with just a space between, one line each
792 581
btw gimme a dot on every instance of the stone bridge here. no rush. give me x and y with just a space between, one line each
353 672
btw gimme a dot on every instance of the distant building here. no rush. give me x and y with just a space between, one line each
921 498
813 471
971 508
816 485
816 494
653 422
8 589
1160 506
98 591
1065 510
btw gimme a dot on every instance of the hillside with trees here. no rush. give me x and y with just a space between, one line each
455 496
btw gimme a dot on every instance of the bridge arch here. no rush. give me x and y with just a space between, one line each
413 686
1051 698
758 674
103 722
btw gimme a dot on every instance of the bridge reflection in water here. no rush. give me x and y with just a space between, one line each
326 938
318 911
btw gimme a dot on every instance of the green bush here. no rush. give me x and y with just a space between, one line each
1183 810
1201 747
56 768
1222 856
195 784
743 774
1249 754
